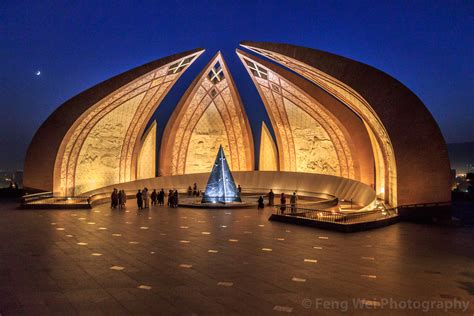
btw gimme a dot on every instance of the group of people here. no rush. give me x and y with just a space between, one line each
271 201
144 197
193 191
158 197
293 200
118 199
173 198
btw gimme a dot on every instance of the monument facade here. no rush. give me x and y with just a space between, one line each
328 116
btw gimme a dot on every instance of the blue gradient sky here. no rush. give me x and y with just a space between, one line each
427 45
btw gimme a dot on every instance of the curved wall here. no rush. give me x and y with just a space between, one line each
268 159
315 132
146 162
412 152
263 181
334 116
93 139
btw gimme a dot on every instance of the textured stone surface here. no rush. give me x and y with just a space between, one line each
209 114
207 136
314 149
66 131
146 163
309 139
268 160
99 158
409 141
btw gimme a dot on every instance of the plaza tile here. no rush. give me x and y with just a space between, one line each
144 262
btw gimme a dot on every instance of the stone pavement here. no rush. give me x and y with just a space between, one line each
195 261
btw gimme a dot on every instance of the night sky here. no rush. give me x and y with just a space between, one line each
427 45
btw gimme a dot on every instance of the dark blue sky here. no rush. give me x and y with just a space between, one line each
427 45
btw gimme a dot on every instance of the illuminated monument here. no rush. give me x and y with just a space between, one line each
335 126
94 139
209 114
221 187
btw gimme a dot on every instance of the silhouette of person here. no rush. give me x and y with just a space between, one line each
271 198
261 205
154 197
139 200
283 203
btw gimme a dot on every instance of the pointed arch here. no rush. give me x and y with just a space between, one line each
309 138
93 139
146 162
268 159
209 114
407 143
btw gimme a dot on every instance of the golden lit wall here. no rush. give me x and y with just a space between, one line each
207 136
209 114
385 160
146 163
308 138
99 157
268 160
102 147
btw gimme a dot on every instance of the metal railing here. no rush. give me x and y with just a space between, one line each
30 198
313 199
317 198
336 217
48 198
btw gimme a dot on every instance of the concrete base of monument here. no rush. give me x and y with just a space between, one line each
196 203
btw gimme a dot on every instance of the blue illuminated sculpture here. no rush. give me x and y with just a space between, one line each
221 186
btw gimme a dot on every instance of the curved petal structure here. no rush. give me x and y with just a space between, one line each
333 118
412 165
209 114
310 137
268 159
146 163
93 139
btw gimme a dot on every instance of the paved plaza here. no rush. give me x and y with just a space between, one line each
200 262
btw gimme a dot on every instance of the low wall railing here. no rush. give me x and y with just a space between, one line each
336 217
319 198
48 198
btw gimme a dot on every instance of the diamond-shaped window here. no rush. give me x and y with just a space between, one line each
216 74
180 65
213 93
275 88
256 70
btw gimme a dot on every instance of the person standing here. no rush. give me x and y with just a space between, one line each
161 197
139 200
146 198
170 198
175 198
115 199
124 200
195 189
190 191
154 197
293 200
120 199
112 199
261 205
282 203
271 198
239 188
